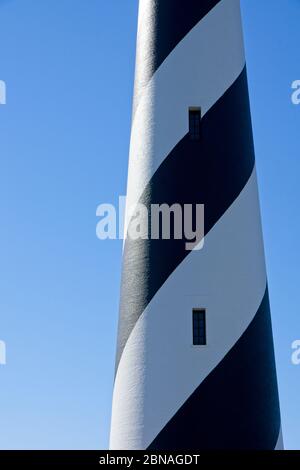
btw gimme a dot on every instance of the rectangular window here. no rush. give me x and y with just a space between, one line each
195 123
199 327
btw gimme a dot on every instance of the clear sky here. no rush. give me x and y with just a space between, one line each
64 135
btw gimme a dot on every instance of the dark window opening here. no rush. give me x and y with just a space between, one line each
195 123
199 327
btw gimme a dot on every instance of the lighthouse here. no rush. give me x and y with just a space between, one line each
195 365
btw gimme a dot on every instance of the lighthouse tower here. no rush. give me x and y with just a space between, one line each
195 365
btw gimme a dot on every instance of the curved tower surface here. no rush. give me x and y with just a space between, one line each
195 364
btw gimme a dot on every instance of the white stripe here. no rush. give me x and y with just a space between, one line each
159 368
280 444
197 73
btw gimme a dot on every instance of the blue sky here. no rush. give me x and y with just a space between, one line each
65 129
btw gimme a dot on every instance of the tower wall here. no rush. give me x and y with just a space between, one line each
168 393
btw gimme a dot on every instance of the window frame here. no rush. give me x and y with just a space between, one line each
195 123
199 326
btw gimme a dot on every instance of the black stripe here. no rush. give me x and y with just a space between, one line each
212 171
171 21
237 405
